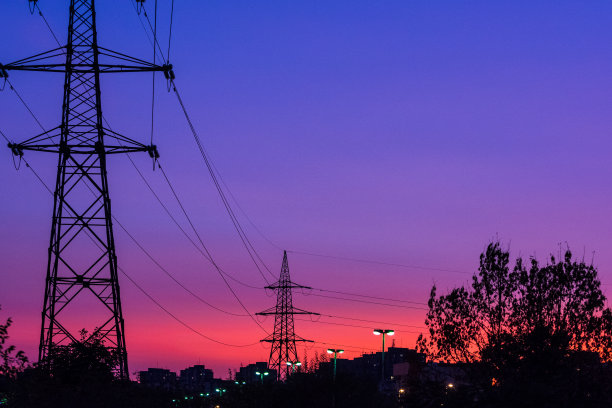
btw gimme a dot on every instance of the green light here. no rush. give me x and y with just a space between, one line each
201 394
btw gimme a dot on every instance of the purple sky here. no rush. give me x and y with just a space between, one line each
403 132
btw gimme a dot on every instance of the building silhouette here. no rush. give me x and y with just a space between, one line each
159 378
248 373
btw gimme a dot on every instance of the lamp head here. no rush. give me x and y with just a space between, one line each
340 351
330 351
390 332
378 332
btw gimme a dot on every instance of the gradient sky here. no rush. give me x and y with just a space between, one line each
407 132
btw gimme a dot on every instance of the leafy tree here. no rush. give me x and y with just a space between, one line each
531 329
84 361
11 361
81 374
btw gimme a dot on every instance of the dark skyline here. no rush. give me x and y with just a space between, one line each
404 133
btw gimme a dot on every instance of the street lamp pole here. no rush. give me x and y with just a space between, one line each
261 375
335 352
384 332
293 364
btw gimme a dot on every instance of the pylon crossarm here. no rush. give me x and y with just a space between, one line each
50 61
302 311
18 149
290 312
287 286
45 142
85 68
127 145
43 56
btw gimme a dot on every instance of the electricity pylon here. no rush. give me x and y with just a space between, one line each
82 263
283 352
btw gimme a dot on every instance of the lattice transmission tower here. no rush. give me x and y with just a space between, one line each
283 351
82 286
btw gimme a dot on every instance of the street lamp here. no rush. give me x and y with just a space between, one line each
220 391
293 364
261 375
335 352
384 332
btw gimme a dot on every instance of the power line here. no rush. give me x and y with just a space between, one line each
366 301
245 241
25 104
155 43
241 209
178 225
199 333
398 265
233 197
186 289
210 260
351 325
346 346
151 298
131 236
40 13
170 34
153 84
197 234
371 321
210 256
129 156
186 214
142 24
369 296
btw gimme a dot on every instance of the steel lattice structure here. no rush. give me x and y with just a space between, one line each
82 261
283 349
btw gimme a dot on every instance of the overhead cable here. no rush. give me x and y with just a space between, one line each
151 298
245 241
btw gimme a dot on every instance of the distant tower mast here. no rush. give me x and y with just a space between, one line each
82 262
283 352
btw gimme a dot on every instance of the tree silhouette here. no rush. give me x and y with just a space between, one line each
81 374
540 332
11 360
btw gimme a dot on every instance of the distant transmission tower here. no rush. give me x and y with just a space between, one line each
283 352
82 285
